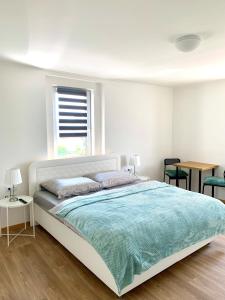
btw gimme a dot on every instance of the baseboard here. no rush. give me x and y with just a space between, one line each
15 227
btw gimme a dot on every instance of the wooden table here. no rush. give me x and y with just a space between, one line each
194 165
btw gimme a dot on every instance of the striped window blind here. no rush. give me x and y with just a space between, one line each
73 107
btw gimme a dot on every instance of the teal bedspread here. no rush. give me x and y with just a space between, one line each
134 227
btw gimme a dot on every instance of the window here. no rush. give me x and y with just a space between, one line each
72 121
75 117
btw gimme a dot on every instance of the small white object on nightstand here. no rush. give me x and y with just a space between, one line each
13 178
135 160
5 203
143 178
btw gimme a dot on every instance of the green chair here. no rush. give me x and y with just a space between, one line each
213 181
172 173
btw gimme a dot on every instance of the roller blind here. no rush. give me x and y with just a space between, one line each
72 111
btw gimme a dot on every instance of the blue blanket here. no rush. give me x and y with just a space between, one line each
134 227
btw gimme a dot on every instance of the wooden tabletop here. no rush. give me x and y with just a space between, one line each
196 165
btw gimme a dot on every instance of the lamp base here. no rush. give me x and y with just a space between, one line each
13 199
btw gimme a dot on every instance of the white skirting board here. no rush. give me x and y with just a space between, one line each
83 251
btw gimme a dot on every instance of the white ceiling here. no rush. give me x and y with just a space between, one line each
122 39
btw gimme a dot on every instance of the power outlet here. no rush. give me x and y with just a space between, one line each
129 169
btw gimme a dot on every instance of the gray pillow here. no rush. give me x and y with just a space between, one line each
66 187
112 178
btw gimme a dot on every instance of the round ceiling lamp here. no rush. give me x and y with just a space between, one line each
187 43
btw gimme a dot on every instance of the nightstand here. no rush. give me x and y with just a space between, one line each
143 178
6 205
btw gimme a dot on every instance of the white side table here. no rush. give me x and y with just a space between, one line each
7 205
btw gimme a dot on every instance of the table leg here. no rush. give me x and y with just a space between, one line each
200 181
190 175
24 216
213 190
7 224
31 215
177 180
32 212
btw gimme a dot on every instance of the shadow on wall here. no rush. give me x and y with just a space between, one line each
124 160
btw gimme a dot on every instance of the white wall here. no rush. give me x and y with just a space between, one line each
199 124
22 120
138 118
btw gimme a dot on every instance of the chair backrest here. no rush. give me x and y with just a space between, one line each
171 161
168 162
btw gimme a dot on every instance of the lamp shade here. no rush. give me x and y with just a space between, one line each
13 177
136 160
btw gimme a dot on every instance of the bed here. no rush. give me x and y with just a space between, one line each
81 247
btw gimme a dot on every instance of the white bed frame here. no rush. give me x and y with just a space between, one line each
79 247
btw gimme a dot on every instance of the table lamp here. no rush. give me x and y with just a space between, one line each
136 162
13 178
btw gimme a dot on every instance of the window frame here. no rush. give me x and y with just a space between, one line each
95 127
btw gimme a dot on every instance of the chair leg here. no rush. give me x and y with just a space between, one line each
213 191
203 189
186 183
169 180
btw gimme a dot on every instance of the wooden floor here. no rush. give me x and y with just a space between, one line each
42 269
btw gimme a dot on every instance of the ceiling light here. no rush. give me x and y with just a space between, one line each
187 43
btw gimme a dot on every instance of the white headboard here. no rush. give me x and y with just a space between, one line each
70 167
